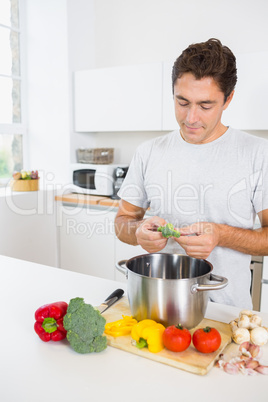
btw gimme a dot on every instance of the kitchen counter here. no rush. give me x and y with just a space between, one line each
32 370
87 200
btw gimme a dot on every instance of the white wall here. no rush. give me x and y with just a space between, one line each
48 88
66 35
136 31
81 52
28 225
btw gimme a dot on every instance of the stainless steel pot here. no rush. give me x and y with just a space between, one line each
169 288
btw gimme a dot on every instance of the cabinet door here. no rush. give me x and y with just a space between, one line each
264 297
248 108
125 251
169 119
86 241
264 288
125 98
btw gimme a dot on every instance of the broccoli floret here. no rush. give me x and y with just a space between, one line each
85 326
168 231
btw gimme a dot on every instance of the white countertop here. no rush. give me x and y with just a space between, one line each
32 370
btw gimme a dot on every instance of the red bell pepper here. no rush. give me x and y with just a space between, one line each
49 321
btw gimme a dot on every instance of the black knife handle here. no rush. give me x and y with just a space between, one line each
117 293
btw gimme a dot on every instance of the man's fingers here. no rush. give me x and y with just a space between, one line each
190 240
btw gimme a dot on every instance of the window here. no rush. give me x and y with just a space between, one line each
11 127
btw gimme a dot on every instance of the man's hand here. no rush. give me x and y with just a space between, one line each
131 228
205 240
148 237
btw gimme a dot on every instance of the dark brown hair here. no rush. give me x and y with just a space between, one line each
208 59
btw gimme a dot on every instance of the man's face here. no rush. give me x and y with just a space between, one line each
198 108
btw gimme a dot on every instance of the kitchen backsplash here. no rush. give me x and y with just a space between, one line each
124 144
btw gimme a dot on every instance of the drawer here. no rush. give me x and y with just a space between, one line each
264 298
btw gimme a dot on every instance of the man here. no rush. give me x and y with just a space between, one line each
207 179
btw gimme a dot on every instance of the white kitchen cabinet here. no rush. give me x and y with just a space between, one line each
139 98
88 244
124 98
169 122
264 288
86 241
27 229
248 108
125 251
264 297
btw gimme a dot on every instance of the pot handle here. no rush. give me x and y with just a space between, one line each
119 266
223 282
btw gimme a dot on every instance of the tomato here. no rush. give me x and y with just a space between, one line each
176 338
207 340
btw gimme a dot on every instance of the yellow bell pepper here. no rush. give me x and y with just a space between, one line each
120 327
148 333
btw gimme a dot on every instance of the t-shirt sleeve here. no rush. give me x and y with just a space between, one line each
259 182
133 189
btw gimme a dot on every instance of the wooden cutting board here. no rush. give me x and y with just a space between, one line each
190 360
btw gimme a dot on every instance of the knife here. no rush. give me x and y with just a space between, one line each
114 297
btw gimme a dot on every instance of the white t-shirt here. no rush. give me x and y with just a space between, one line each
223 181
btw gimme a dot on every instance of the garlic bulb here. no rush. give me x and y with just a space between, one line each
262 369
255 351
247 360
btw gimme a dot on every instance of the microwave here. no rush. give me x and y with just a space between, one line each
93 179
